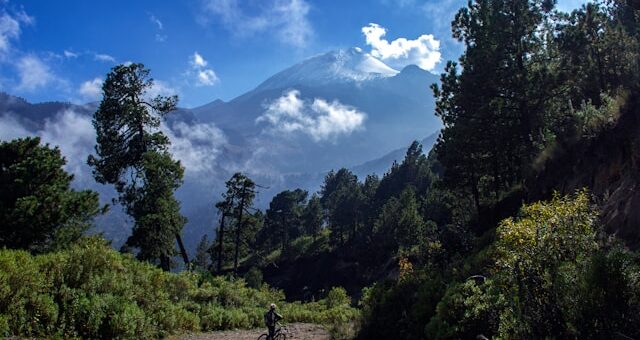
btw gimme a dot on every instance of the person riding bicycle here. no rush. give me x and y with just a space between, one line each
270 319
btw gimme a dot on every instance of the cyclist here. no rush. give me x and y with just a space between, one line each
270 319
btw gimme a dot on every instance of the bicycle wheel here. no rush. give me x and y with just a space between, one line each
280 336
263 337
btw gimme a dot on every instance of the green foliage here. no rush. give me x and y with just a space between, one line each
91 291
548 280
399 310
253 278
154 207
337 297
312 216
466 311
604 298
284 218
531 252
341 197
593 119
38 209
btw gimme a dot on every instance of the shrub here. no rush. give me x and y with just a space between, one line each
253 277
91 291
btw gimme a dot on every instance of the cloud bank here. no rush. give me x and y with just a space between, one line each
423 51
319 119
197 146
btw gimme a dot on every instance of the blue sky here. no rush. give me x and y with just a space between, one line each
203 49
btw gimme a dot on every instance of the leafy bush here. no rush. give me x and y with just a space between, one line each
253 277
91 291
406 305
466 311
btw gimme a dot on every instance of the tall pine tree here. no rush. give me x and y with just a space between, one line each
132 154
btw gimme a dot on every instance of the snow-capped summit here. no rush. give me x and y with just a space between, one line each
351 65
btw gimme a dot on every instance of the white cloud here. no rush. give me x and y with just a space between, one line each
33 73
156 21
423 51
91 89
104 57
320 119
10 128
161 37
160 88
204 76
197 146
75 135
287 19
10 28
197 60
70 54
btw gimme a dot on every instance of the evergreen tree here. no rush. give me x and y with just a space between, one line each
414 171
133 155
201 260
39 211
284 218
224 211
493 110
234 207
312 216
341 198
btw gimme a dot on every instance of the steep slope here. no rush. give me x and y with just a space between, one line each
608 165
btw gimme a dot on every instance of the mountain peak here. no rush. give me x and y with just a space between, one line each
343 65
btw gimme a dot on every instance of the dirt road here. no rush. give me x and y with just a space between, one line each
297 331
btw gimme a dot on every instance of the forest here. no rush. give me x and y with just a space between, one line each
520 223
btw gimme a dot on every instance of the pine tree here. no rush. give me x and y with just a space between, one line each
234 207
39 211
493 110
284 217
341 198
201 260
132 154
312 216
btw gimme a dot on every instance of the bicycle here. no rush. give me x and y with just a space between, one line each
280 334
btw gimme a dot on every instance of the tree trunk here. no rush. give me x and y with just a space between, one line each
238 228
165 263
183 251
221 242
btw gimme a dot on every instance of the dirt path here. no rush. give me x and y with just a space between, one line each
297 331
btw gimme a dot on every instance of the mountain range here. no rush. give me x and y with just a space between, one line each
344 108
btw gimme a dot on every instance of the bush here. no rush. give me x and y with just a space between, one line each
253 277
406 304
91 291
